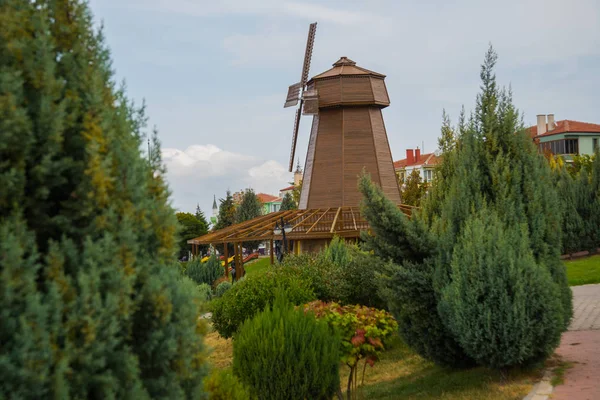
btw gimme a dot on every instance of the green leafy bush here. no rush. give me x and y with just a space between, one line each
249 296
502 307
205 292
223 385
222 288
354 282
206 272
284 353
359 279
324 276
364 332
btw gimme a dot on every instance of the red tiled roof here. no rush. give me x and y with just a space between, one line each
267 198
424 159
566 126
287 188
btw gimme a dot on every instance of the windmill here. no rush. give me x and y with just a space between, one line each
297 95
347 134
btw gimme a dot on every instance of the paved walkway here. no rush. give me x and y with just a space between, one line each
581 346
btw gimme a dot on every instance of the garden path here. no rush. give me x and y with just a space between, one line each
581 346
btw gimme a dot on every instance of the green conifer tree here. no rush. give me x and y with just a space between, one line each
200 216
413 189
288 203
227 212
92 302
447 139
501 305
491 166
226 218
250 207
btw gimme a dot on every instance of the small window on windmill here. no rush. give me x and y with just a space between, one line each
311 102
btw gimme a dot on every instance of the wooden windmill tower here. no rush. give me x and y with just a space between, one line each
347 134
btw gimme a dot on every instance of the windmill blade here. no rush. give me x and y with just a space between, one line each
308 53
293 95
295 136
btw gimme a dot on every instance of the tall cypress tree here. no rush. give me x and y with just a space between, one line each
92 303
200 216
226 218
250 207
491 167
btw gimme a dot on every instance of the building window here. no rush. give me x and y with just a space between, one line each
595 144
428 174
563 146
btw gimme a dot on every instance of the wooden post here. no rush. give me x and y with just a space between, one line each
241 255
271 252
296 247
236 259
226 254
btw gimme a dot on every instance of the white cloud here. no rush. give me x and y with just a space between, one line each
201 171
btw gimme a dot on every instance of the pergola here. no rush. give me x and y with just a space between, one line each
306 225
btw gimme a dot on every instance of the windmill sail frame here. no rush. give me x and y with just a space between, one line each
296 91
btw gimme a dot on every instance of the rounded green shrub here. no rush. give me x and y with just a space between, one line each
503 308
223 385
205 292
222 288
206 272
248 297
284 353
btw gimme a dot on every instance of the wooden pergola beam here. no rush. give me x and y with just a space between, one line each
306 224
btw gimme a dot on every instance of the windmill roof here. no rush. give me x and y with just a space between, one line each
345 66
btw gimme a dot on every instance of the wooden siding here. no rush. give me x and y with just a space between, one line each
380 93
356 90
329 92
309 163
359 152
326 182
351 91
387 175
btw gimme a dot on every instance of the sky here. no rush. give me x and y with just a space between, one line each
214 74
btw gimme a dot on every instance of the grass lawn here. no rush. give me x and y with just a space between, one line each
258 266
583 271
403 374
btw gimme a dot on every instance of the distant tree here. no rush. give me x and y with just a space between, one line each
413 189
227 212
288 202
226 218
189 227
447 140
296 192
250 207
200 216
